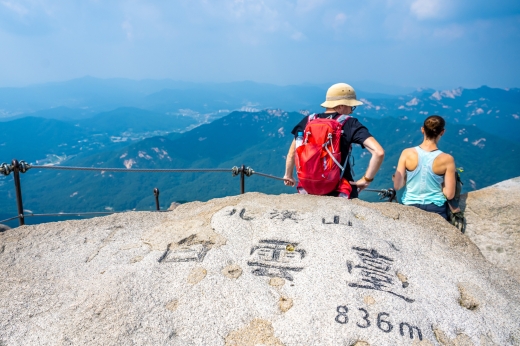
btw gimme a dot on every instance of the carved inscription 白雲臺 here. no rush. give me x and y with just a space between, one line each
374 272
276 258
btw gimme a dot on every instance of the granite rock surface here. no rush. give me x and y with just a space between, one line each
493 223
254 270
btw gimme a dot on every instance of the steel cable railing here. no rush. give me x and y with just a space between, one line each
131 170
267 175
18 167
10 219
87 213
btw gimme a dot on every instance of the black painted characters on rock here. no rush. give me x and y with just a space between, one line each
276 258
284 215
375 272
241 214
382 321
336 221
186 252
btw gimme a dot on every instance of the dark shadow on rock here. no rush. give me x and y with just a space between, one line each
462 203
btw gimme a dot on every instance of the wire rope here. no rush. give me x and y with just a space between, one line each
135 170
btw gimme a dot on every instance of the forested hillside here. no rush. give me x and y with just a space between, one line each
166 124
259 140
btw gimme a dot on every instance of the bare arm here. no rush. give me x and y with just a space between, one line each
449 178
289 166
378 154
399 177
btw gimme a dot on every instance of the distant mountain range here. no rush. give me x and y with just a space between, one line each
144 129
260 140
493 110
496 111
40 139
92 95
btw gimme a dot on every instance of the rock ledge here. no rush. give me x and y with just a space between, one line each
254 269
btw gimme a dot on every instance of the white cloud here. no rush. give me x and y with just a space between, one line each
428 9
308 5
298 36
450 32
127 28
383 40
340 18
15 7
250 9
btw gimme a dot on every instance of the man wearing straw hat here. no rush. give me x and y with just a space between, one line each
341 100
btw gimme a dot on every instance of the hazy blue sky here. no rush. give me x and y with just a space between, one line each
437 43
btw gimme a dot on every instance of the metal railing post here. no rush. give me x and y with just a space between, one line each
18 167
242 179
156 193
18 188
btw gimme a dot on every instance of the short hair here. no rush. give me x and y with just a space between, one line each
433 126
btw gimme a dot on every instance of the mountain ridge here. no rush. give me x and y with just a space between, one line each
257 139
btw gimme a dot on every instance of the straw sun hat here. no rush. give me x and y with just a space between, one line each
341 94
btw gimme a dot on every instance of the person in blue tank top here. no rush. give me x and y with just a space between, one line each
426 173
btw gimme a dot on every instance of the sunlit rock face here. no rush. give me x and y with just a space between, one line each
493 223
254 270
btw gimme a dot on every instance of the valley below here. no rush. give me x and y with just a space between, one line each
481 134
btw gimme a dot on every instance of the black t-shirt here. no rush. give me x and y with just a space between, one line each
353 133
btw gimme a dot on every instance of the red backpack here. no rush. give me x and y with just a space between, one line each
318 158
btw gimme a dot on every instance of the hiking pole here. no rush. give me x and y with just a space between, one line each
384 193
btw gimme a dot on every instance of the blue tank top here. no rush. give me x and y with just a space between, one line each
423 186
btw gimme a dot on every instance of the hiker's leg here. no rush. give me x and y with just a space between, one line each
432 208
446 209
420 206
442 210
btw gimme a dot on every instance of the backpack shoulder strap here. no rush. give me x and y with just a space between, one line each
342 119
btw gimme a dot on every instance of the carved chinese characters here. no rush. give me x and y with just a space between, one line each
374 272
276 258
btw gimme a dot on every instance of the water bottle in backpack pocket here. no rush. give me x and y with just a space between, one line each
299 139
